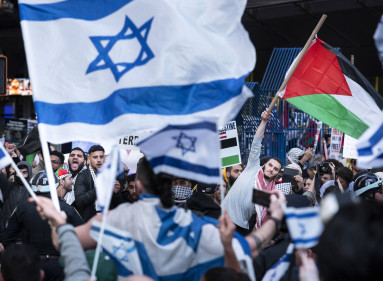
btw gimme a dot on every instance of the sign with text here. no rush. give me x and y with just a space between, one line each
15 130
336 144
128 143
349 148
230 151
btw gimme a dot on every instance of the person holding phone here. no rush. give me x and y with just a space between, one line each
238 201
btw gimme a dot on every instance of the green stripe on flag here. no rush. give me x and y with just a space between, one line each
329 110
231 160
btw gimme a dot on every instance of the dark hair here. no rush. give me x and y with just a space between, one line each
155 184
331 189
225 274
95 148
228 169
350 247
336 163
79 149
129 178
327 136
59 155
346 174
20 263
8 171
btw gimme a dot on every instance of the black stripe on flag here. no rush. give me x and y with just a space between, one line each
228 143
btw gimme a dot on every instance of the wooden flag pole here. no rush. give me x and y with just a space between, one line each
297 61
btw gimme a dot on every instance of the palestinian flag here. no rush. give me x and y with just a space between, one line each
328 87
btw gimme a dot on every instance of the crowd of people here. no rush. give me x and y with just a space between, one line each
49 245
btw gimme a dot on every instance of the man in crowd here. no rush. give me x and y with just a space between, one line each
202 202
13 193
217 193
57 160
369 186
76 163
182 190
232 173
65 183
238 201
84 188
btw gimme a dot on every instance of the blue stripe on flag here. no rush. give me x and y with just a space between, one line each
374 139
171 100
304 241
301 216
74 9
285 258
2 154
183 165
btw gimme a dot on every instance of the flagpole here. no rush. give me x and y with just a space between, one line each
297 61
26 184
49 169
222 190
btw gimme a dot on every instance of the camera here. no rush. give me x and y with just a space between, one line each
324 168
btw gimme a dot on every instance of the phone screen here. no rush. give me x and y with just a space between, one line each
261 197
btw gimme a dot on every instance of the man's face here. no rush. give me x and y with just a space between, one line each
68 183
76 161
96 159
271 169
343 182
234 173
132 190
24 172
181 182
55 160
217 193
325 177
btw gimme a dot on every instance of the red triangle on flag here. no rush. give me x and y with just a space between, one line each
318 72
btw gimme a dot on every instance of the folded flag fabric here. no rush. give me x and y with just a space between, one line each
124 67
31 142
5 159
165 244
279 269
328 87
106 177
189 151
370 146
305 226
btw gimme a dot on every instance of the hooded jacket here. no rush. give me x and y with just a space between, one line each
13 195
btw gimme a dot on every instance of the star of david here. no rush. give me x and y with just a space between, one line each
128 32
302 227
170 231
185 143
121 251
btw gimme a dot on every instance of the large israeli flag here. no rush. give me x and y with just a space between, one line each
166 244
5 159
108 69
189 151
278 270
305 226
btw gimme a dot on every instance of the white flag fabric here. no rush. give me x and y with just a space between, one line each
115 68
305 226
370 146
106 177
5 159
172 244
189 151
279 269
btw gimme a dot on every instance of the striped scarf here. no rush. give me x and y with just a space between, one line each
260 184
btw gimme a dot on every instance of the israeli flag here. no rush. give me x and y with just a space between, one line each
305 226
106 177
279 269
166 244
189 151
122 67
5 159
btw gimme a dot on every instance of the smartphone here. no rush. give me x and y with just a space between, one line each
261 197
290 172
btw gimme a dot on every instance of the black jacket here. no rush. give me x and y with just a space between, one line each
35 231
203 205
85 195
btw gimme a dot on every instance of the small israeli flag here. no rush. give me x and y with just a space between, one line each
5 159
305 226
278 270
370 146
190 151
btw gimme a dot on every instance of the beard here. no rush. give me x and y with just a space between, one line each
77 170
267 178
232 180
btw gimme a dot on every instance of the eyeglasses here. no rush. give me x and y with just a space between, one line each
54 162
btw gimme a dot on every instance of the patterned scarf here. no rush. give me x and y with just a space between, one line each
69 196
260 184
